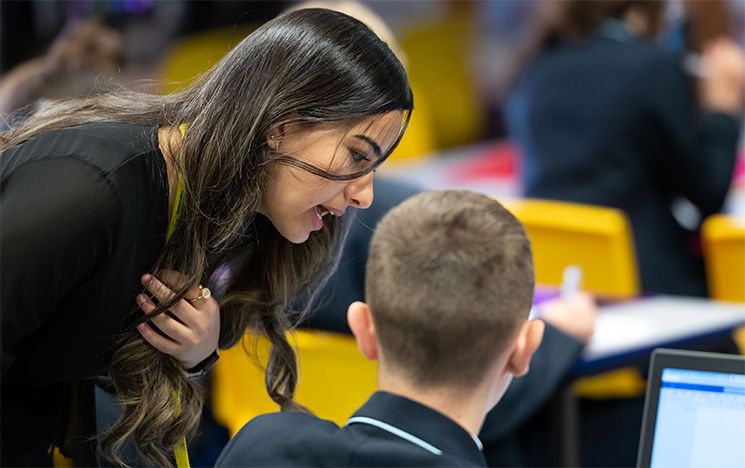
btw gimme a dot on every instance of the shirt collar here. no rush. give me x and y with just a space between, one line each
615 29
424 423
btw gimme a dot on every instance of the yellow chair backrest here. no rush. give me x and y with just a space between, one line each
419 140
438 53
334 378
724 255
723 239
597 239
193 55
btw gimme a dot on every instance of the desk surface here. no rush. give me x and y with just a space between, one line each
637 327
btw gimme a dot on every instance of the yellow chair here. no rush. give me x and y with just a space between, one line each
438 53
193 55
598 240
334 378
595 238
723 239
724 255
419 141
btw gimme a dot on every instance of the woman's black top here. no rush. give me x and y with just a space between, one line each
83 214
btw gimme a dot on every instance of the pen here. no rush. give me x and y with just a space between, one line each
571 281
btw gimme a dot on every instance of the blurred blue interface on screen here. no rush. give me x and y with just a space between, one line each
700 420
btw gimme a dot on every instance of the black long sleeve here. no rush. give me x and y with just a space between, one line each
83 214
57 224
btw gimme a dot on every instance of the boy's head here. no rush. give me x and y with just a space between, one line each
449 284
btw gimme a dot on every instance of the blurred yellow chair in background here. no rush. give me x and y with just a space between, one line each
595 238
723 239
724 254
438 54
598 240
419 140
193 55
334 378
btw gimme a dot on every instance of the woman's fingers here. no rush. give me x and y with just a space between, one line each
192 327
158 342
175 330
184 310
159 290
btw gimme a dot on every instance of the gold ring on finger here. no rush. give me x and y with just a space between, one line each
204 293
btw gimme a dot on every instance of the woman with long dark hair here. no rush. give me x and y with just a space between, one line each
248 168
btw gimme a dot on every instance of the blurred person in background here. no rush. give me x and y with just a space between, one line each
78 64
127 200
604 116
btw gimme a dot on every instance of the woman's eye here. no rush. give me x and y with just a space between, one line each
358 157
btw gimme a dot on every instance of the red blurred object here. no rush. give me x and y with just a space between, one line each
496 162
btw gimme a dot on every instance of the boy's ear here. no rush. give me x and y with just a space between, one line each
362 326
529 336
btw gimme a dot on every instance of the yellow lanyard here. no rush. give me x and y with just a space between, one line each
177 200
180 452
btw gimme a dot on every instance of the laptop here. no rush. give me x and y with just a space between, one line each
694 411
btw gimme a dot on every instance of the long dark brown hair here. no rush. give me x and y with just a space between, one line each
309 66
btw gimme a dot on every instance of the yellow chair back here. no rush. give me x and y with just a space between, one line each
419 140
724 255
334 378
193 55
597 239
438 54
723 239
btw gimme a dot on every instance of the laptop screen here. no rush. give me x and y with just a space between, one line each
700 420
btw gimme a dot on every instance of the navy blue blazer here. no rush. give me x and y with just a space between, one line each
613 121
388 430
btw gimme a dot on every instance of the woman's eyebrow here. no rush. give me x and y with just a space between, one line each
373 144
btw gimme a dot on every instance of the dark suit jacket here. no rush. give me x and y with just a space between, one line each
613 121
388 430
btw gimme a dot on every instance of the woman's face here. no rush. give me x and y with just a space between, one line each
296 201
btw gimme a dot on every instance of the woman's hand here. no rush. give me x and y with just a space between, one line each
192 327
724 77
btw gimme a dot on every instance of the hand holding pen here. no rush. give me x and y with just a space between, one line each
575 311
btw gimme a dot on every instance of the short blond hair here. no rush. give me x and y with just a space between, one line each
449 278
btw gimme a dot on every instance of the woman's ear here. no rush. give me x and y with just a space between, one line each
363 329
274 137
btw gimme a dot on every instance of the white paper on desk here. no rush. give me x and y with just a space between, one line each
653 322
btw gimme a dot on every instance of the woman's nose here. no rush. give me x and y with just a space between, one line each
360 192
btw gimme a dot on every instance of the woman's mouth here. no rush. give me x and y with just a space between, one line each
318 213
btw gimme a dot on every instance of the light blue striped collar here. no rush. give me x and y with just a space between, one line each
395 431
478 442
